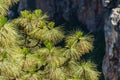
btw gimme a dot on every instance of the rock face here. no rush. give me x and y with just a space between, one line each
111 62
88 12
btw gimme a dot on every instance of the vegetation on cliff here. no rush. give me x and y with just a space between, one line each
33 48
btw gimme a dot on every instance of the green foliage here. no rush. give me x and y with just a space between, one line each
3 20
36 26
30 50
86 71
8 35
25 51
79 44
5 5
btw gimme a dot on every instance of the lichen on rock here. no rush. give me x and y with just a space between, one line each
111 62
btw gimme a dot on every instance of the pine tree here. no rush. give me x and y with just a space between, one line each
30 49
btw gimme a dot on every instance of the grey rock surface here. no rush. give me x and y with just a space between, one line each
88 12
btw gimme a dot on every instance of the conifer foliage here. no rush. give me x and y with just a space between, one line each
30 49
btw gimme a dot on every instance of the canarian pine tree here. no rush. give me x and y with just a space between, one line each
30 49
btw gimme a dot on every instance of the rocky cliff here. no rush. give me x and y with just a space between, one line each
89 12
111 62
96 15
